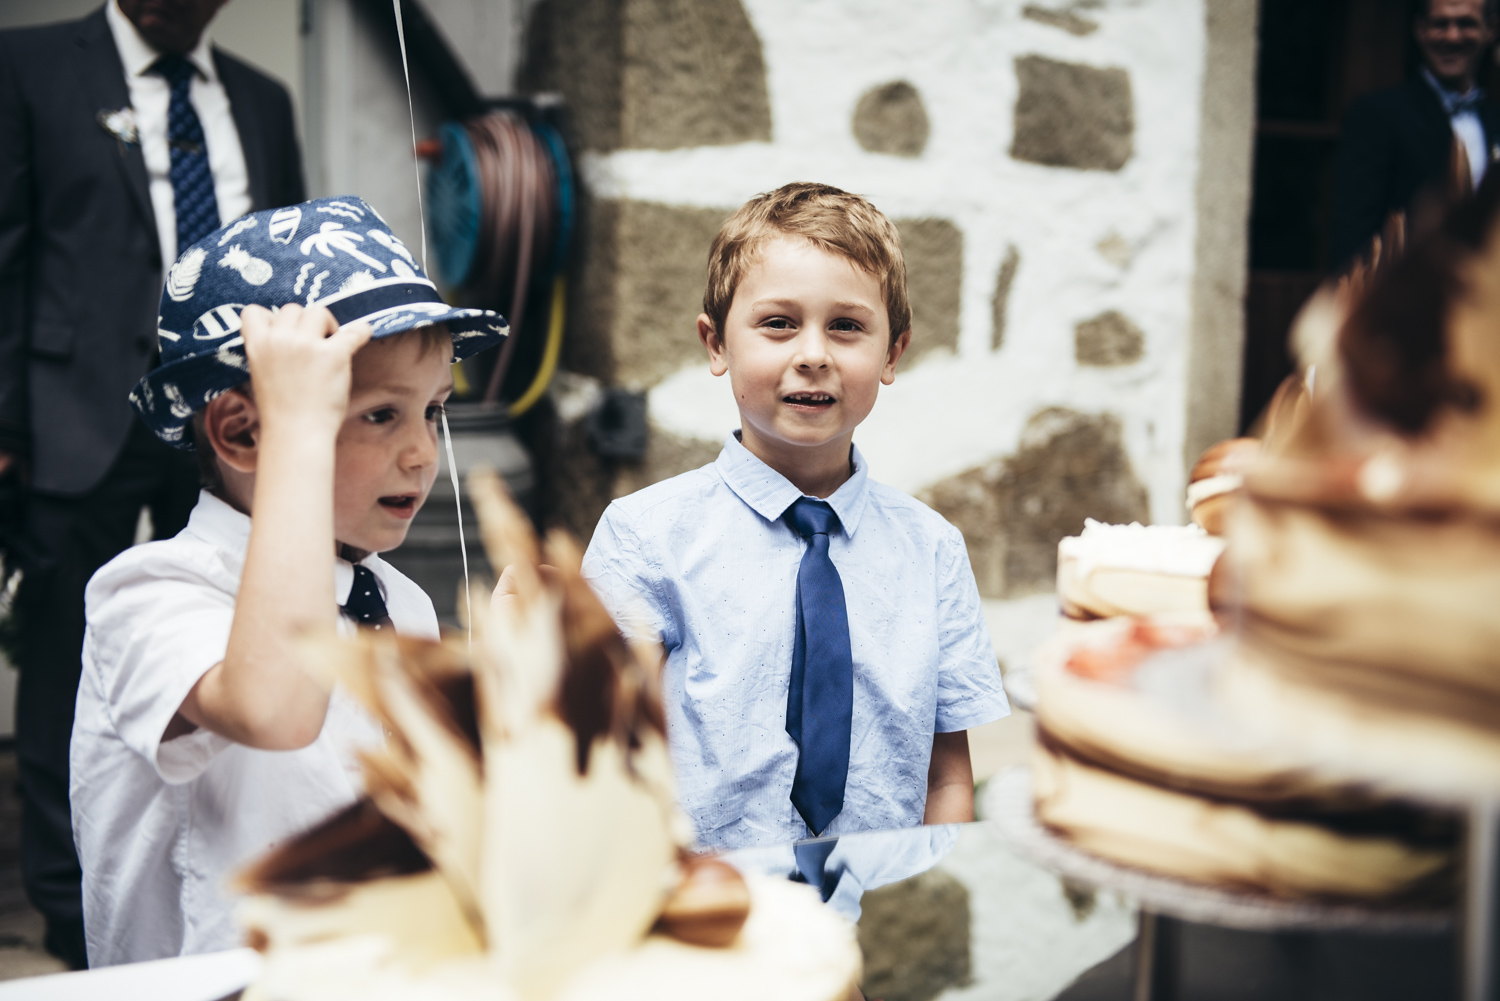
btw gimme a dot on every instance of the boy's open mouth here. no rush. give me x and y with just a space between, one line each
809 399
401 505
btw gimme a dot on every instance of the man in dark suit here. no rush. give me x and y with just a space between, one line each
123 136
1400 143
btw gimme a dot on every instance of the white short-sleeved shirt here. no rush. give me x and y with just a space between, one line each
704 561
160 826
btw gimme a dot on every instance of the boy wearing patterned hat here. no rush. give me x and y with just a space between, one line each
306 358
826 649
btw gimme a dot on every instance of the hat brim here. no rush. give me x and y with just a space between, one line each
167 397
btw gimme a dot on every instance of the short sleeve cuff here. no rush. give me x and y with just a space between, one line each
187 757
972 712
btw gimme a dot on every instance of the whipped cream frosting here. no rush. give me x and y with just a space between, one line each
1179 550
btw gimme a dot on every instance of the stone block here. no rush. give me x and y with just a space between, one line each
1000 301
890 119
1072 115
1108 339
934 251
1066 19
915 937
640 290
651 74
1013 511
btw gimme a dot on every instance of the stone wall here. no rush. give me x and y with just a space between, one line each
1071 191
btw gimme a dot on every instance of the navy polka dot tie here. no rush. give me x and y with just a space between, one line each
366 606
192 182
820 702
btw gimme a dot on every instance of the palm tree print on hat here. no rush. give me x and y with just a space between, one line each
333 236
252 269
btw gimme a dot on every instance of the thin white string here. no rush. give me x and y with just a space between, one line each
462 547
458 501
412 115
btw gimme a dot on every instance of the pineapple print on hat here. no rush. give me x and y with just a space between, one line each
252 269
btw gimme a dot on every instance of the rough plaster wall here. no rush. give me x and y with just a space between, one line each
950 413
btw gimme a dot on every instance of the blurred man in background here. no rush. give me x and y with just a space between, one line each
123 137
1402 142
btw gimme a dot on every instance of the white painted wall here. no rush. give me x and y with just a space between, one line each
951 413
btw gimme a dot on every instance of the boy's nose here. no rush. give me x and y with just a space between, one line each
812 349
421 450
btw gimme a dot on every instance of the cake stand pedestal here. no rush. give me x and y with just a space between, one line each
1164 901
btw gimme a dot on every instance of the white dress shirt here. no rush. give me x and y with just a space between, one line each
1466 126
161 825
150 96
704 561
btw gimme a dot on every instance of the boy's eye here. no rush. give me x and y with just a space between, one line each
845 325
435 411
382 416
777 323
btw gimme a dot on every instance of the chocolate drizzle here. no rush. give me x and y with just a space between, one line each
355 845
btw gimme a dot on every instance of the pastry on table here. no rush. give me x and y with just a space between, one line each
519 838
1133 764
1112 570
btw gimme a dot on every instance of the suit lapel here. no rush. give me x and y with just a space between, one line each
248 124
103 77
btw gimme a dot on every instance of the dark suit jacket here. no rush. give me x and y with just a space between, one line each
1394 144
80 267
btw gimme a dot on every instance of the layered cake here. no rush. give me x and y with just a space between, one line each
1136 570
1134 762
1368 554
519 838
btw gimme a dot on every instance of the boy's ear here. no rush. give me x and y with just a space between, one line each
898 348
718 364
231 423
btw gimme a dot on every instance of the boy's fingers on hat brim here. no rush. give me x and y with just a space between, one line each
317 321
356 334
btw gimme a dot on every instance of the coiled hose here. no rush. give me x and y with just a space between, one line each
502 195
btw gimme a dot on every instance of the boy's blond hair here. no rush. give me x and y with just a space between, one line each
831 220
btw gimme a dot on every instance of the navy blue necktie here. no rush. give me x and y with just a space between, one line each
365 605
820 704
192 182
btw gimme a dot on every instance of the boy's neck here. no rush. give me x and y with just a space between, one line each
816 470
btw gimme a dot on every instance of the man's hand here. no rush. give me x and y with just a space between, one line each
950 780
300 365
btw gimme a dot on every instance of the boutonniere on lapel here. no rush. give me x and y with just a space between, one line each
121 125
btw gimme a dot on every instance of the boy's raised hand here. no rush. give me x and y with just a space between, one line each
300 364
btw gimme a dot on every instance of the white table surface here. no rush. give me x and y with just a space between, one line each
192 978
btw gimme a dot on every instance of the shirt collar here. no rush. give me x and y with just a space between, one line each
214 520
1453 102
137 55
769 494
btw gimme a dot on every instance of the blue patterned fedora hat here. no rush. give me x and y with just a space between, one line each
333 252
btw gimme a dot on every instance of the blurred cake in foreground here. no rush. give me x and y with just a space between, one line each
520 838
1367 559
1217 480
1134 763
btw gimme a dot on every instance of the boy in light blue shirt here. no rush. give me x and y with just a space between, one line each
826 648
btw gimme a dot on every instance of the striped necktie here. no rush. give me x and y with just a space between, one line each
820 702
193 196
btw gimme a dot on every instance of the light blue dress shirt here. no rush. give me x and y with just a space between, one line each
704 561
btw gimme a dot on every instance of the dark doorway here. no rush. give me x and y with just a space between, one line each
1316 56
